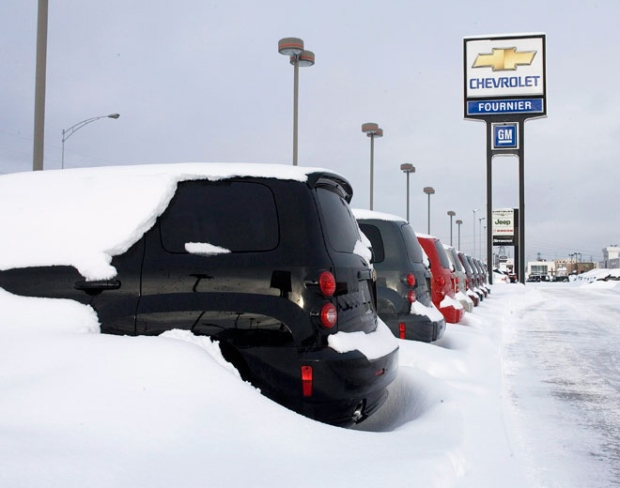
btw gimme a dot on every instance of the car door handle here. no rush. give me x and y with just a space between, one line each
97 285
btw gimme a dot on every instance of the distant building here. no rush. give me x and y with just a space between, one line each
543 268
581 267
558 267
611 257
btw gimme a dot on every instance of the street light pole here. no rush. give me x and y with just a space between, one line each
458 226
480 230
451 213
372 130
66 133
475 210
429 190
294 48
39 89
407 168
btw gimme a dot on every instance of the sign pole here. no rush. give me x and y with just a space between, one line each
489 215
521 239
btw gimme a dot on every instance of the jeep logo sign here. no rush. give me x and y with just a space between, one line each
504 227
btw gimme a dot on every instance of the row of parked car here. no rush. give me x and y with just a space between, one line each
268 260
419 276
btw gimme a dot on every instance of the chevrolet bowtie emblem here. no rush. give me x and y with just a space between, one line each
504 59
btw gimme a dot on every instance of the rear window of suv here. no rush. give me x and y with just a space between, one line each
443 257
239 216
412 244
376 241
339 224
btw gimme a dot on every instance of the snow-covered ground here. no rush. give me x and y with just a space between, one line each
524 392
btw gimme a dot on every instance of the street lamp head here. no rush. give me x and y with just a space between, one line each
459 222
407 168
429 190
451 213
372 130
114 116
290 46
304 59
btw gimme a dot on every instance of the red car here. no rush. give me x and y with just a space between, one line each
443 282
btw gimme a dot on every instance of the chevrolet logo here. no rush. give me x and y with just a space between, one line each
505 59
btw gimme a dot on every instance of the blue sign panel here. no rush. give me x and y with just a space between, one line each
505 136
499 107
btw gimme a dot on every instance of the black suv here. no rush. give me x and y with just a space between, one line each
269 266
404 301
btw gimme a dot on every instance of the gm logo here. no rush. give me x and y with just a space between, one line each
505 59
505 136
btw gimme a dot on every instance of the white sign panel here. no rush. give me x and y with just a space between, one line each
503 226
505 67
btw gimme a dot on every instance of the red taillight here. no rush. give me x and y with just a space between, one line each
411 280
327 283
411 296
401 330
329 316
306 380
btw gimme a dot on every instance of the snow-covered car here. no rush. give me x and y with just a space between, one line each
500 276
474 292
403 280
483 275
443 282
476 276
461 279
265 259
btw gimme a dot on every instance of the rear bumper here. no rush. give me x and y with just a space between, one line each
346 387
452 314
468 305
417 327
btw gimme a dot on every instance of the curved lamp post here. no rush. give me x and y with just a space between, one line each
451 213
429 190
294 48
480 230
458 226
372 130
66 133
407 168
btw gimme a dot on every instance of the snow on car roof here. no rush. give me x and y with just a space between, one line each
82 217
426 236
361 213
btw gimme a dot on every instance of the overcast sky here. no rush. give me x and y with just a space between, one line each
203 81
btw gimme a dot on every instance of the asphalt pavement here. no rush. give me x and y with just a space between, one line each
562 382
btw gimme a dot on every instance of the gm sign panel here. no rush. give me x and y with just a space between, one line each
504 67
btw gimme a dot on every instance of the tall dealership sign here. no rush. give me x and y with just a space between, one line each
505 84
